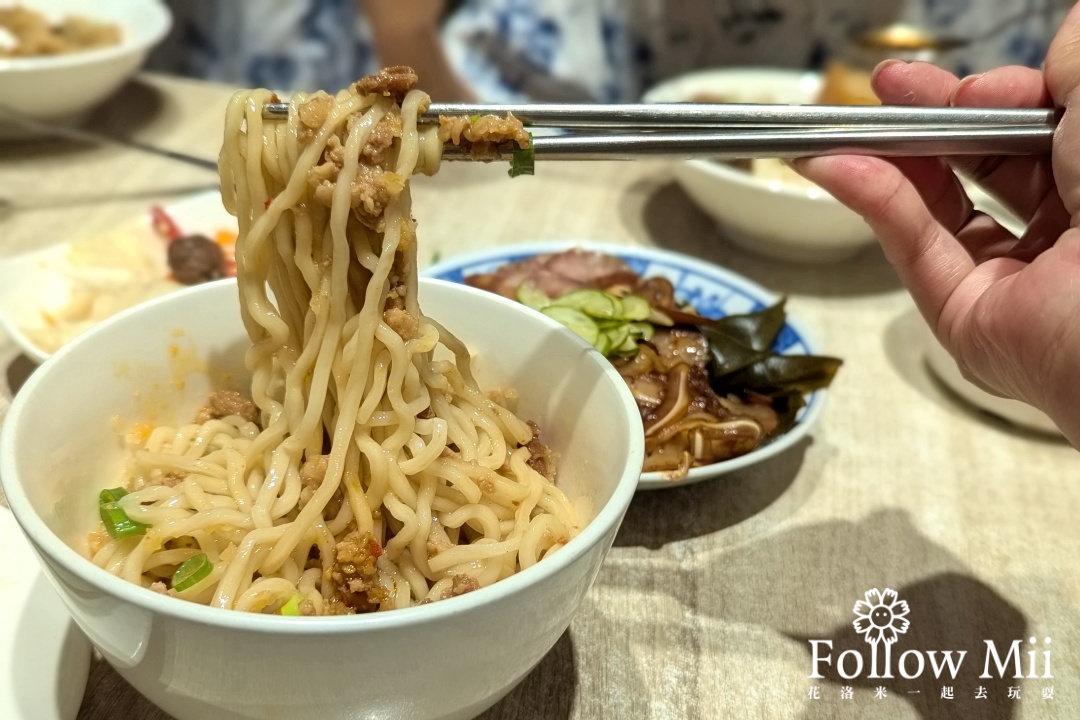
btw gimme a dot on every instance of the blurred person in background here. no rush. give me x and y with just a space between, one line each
613 50
283 45
569 50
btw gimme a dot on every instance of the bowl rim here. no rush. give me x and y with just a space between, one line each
727 172
148 35
656 480
51 549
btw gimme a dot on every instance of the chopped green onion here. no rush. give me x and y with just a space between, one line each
116 521
523 160
195 568
111 495
474 117
292 607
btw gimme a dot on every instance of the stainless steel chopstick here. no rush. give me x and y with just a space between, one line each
737 144
694 115
698 115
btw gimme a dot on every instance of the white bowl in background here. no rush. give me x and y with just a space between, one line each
451 659
64 87
772 216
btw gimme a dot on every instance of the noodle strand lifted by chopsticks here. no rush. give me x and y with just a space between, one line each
369 475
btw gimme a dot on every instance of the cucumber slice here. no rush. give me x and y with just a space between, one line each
658 318
617 336
628 348
641 330
594 303
635 307
603 344
531 296
582 325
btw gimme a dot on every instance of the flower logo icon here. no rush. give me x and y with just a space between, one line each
881 617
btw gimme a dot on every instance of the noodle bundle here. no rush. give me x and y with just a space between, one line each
367 472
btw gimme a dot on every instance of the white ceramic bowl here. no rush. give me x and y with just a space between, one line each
792 221
64 87
452 658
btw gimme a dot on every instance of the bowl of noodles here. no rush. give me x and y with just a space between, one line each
762 205
158 363
325 488
60 58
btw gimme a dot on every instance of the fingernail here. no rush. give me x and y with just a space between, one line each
888 63
966 82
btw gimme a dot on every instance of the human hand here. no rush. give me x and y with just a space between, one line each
1006 308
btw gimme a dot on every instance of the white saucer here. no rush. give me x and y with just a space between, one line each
44 657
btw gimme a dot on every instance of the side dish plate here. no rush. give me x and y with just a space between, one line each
712 290
115 270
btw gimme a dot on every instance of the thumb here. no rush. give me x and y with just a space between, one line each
1062 74
1063 59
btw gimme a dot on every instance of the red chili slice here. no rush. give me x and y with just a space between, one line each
164 225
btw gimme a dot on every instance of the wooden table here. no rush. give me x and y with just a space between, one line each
708 602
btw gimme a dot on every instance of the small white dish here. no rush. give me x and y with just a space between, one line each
712 290
771 211
129 267
63 88
44 657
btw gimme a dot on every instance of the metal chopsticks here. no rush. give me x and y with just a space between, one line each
739 144
667 116
696 115
732 131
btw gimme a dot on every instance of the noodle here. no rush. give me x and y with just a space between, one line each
372 475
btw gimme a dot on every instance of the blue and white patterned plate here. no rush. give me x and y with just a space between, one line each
712 290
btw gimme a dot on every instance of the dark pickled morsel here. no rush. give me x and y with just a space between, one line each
196 259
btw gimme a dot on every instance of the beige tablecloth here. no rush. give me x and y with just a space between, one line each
709 602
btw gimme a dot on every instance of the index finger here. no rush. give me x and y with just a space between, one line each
1021 183
931 263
